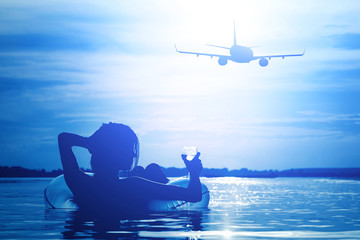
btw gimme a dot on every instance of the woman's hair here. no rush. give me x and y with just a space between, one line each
113 139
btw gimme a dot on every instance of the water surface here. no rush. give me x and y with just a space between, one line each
240 208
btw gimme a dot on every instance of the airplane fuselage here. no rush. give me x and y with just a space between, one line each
241 54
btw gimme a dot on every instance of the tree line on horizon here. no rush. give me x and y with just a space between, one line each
207 172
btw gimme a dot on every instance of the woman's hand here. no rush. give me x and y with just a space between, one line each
194 166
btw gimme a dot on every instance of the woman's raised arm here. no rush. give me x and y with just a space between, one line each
66 141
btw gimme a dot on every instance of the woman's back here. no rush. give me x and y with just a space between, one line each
111 196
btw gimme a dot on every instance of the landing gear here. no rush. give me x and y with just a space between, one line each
263 62
222 61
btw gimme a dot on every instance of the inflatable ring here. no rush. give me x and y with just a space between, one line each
57 195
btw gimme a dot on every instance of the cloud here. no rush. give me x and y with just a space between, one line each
341 75
45 42
336 26
57 26
71 66
309 125
19 85
347 41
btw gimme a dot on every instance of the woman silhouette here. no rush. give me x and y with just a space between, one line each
115 147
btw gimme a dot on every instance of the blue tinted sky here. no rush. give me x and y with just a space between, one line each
72 65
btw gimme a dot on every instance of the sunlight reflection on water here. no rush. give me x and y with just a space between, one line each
286 208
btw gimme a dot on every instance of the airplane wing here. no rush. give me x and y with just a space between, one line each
277 56
204 54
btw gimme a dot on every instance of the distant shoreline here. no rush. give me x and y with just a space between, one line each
207 172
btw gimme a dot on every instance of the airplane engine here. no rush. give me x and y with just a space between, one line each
222 61
263 62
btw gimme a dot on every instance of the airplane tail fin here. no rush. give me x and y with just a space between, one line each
234 34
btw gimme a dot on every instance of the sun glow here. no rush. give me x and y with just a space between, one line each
212 21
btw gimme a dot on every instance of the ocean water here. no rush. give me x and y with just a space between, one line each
240 208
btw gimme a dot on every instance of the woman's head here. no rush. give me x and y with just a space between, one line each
113 147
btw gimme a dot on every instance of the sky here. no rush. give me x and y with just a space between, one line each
69 66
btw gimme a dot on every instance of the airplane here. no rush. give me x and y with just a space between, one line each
240 54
